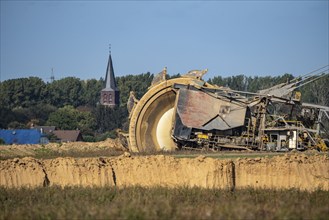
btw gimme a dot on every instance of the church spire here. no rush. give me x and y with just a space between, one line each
110 94
110 83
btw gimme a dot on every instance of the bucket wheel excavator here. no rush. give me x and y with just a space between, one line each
188 112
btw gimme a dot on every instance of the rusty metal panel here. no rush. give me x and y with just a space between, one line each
200 110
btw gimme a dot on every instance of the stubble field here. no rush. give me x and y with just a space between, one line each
161 203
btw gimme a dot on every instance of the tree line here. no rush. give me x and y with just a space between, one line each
72 103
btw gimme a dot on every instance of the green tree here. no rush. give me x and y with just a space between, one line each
92 89
250 84
86 123
65 118
16 125
173 76
217 80
108 119
6 116
66 91
238 83
36 114
69 118
316 92
137 83
40 112
22 92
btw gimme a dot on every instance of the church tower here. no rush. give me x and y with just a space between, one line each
110 94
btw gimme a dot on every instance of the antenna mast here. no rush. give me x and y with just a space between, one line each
52 77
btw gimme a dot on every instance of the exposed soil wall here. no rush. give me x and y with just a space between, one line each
22 172
281 172
289 171
168 171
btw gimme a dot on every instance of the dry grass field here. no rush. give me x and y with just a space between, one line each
161 203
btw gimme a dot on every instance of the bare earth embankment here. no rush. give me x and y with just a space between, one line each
109 147
297 170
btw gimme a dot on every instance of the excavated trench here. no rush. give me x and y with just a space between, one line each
281 172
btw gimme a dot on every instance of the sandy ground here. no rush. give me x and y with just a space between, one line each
294 170
33 149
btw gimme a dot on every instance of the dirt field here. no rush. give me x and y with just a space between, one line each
293 170
109 147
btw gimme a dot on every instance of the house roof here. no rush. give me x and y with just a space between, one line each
68 135
45 129
21 136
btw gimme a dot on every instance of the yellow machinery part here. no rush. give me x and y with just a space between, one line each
202 136
321 145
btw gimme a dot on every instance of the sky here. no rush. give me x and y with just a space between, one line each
254 38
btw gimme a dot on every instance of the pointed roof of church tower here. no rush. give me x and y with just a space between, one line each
110 84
